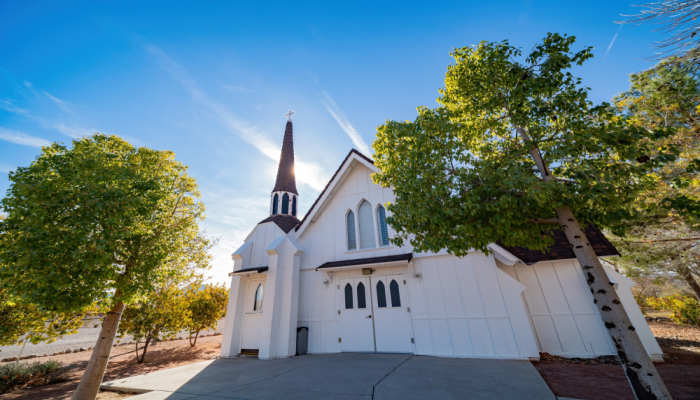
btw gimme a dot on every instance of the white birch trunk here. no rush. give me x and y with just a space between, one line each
92 378
640 370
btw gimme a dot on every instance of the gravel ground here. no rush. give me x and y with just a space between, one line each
678 336
85 338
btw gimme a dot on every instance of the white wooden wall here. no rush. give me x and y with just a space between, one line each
461 308
262 236
326 240
561 310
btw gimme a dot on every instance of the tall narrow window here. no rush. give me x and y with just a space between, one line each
348 296
381 294
294 206
352 241
361 300
383 231
395 295
366 229
258 298
274 204
285 204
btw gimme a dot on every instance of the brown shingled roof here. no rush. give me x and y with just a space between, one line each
285 172
331 180
561 249
284 221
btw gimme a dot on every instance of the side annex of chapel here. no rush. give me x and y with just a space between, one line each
336 273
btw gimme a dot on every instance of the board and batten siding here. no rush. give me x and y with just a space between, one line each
262 237
560 309
326 239
465 307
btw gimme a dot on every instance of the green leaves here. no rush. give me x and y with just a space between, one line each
463 174
101 216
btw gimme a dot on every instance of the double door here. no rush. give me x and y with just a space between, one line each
374 314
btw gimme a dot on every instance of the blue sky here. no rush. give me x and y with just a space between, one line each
212 80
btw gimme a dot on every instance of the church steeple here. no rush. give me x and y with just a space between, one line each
284 194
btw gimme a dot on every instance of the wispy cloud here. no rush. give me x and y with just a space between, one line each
6 167
342 120
22 138
306 172
612 42
66 106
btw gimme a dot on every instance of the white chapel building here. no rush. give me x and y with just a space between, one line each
335 273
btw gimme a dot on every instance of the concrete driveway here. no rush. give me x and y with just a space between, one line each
342 376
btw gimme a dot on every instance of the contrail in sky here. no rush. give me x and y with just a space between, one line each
611 42
342 120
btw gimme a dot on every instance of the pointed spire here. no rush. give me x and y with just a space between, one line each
286 181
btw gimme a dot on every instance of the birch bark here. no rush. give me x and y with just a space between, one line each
639 369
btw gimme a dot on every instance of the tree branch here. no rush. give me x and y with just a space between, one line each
543 220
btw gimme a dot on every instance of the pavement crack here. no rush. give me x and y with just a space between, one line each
390 372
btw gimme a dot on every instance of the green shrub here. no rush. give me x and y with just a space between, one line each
686 309
20 375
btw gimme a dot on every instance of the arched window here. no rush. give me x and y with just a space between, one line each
274 204
383 231
395 296
258 298
361 300
285 204
381 294
294 206
352 240
366 229
348 296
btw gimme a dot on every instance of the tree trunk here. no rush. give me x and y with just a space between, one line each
640 370
196 334
690 280
92 378
143 355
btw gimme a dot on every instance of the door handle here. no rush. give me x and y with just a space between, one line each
369 316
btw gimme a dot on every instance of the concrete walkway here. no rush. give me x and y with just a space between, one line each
342 376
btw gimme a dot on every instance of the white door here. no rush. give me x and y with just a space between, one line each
356 333
252 319
392 320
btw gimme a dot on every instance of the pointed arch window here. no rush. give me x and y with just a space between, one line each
352 238
348 296
294 206
366 229
257 306
381 294
275 200
383 231
395 295
361 299
285 204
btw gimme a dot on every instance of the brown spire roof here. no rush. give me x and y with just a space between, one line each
285 173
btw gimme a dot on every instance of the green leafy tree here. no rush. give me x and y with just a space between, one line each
514 150
96 223
667 238
21 323
686 310
154 317
207 305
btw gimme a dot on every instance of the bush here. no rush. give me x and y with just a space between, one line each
21 375
686 309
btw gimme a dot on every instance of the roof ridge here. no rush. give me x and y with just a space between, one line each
353 150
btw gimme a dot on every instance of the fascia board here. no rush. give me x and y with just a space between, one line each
347 167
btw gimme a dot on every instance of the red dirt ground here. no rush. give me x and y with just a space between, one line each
122 364
680 372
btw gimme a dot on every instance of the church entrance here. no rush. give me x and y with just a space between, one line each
252 319
374 315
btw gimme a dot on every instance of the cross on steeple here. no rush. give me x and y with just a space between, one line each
289 115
